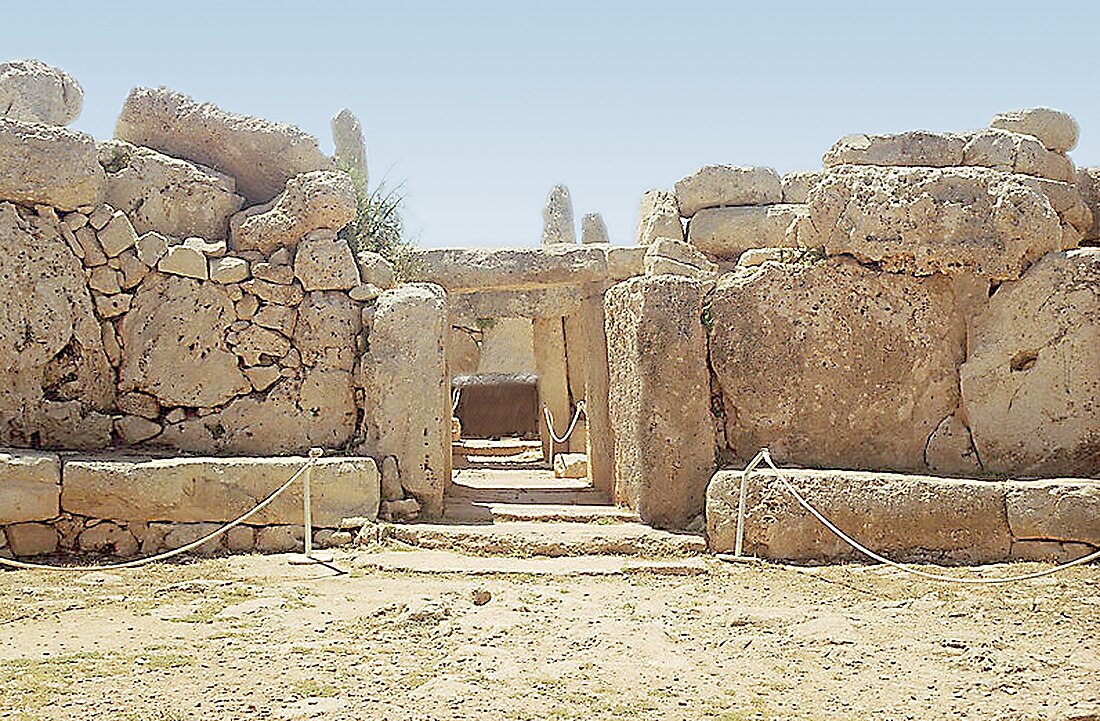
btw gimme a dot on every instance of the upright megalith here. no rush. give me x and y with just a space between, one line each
557 217
34 92
347 140
593 229
407 407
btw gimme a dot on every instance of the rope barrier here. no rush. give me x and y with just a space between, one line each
765 456
550 426
455 397
306 469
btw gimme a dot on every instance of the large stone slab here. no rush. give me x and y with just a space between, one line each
549 302
407 409
660 397
1055 129
34 92
834 364
907 518
465 269
728 232
929 220
321 200
912 148
1030 386
1063 509
47 165
1015 153
261 155
30 486
658 217
714 186
168 195
193 490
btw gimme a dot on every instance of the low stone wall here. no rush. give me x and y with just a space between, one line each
130 505
907 518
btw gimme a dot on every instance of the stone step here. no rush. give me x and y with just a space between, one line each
432 562
488 512
503 447
532 538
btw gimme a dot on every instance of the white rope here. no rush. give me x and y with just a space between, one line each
765 456
550 426
176 551
455 397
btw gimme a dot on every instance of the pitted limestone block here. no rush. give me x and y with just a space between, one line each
1030 387
259 154
375 270
1015 153
466 269
728 232
328 324
350 148
1055 129
659 217
931 220
908 518
33 92
325 264
31 539
30 486
912 148
1062 509
47 165
796 186
192 490
833 364
321 200
660 397
667 256
1088 184
628 261
557 217
714 186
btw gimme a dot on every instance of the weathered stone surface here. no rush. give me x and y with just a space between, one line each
408 405
391 480
950 449
117 235
261 155
33 92
1066 510
312 201
190 490
462 352
728 232
185 261
274 292
173 344
30 486
325 334
912 148
714 186
279 539
51 344
132 430
31 539
277 317
909 518
168 195
325 264
228 269
667 256
259 346
570 465
42 164
628 261
1088 183
593 229
151 247
659 217
375 269
465 269
508 346
1068 203
71 425
1055 129
754 257
273 273
108 537
660 397
347 140
548 302
548 347
832 364
1016 153
1030 386
557 217
928 220
796 186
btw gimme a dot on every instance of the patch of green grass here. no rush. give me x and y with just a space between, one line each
312 689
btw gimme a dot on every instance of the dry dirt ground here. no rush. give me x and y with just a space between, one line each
253 637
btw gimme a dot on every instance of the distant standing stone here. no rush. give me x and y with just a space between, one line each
593 229
557 217
347 137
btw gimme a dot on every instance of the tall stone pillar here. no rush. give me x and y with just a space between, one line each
557 217
574 364
550 365
600 445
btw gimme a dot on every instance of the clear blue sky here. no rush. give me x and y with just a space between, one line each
479 108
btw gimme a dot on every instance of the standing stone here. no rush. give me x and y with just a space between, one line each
550 364
659 217
599 444
557 217
407 410
351 150
33 92
660 397
593 229
574 364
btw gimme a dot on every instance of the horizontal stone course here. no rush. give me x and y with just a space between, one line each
30 485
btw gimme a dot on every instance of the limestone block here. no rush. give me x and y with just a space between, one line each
135 429
30 486
326 264
241 539
274 292
910 518
178 535
118 235
667 256
312 201
628 261
796 186
912 148
1029 385
364 292
104 280
347 140
658 217
273 273
261 155
950 449
929 220
228 269
570 465
557 217
190 490
1068 203
1066 510
408 404
113 306
328 324
466 269
168 195
548 302
279 539
391 480
1055 129
660 397
31 539
375 270
462 353
185 261
714 186
548 347
508 346
728 232
151 247
1088 183
259 346
1017 153
173 344
41 164
33 92
133 270
278 318
262 377
593 229
71 425
754 257
835 365
108 537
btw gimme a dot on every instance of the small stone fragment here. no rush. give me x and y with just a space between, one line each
228 269
185 261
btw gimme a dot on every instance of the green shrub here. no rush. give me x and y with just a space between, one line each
378 226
